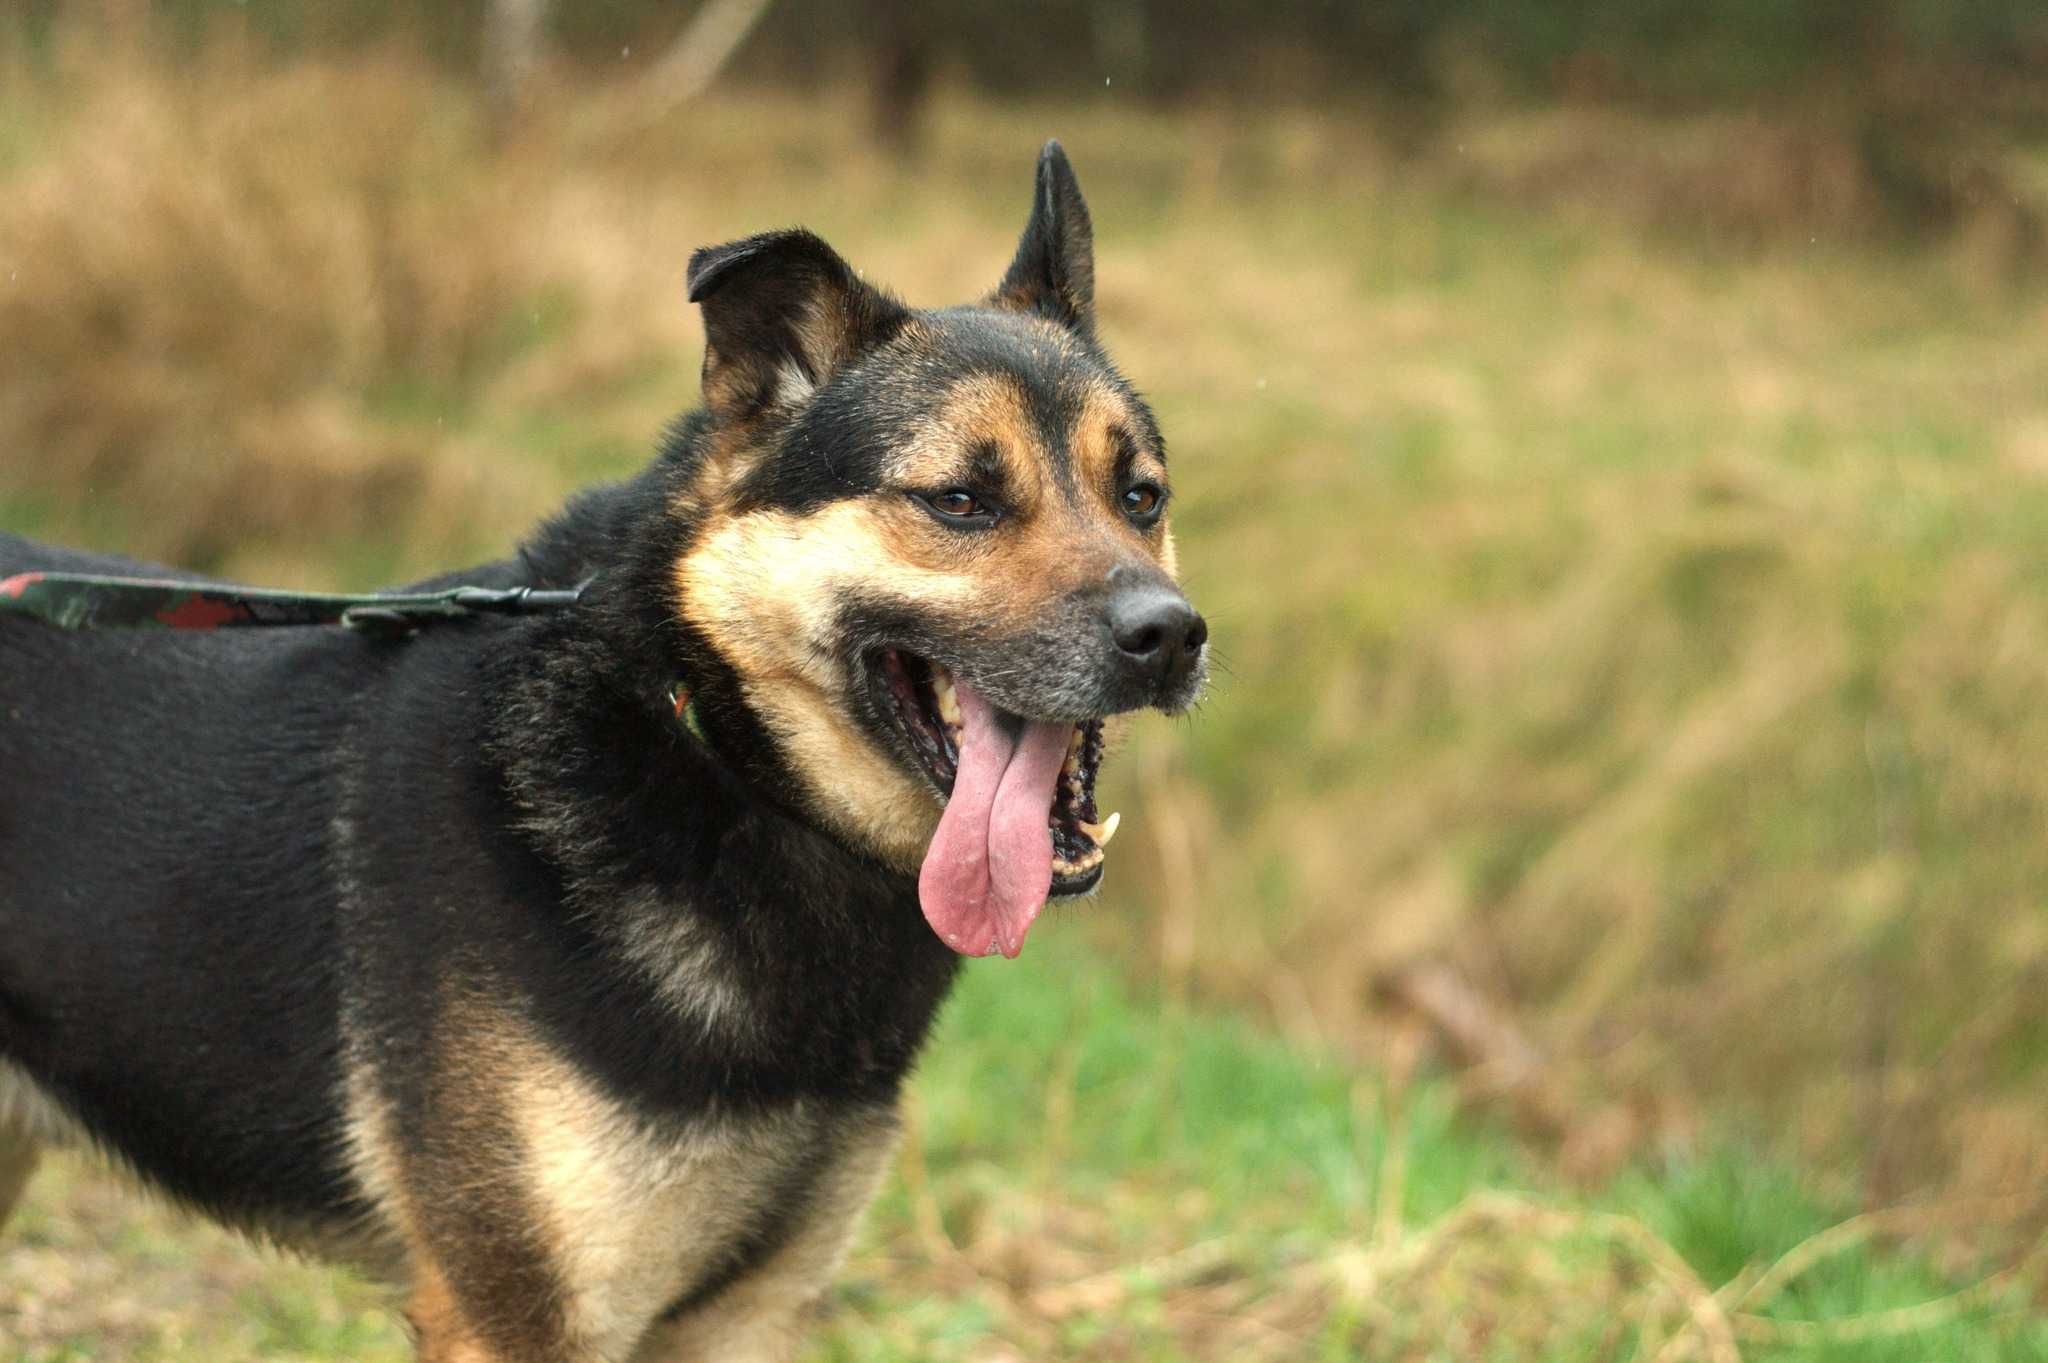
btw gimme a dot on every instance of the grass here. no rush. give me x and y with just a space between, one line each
1629 601
1096 1175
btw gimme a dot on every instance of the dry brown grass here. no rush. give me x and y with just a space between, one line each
200 290
1501 1276
1795 174
999 1265
1649 632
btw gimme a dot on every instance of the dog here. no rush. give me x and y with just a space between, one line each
565 969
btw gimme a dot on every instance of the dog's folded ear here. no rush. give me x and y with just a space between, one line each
1054 272
782 312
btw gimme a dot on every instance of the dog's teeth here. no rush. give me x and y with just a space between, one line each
1104 831
948 699
1090 859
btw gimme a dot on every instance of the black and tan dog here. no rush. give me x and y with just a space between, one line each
567 968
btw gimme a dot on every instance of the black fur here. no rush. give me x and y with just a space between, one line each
201 832
240 870
781 298
1054 272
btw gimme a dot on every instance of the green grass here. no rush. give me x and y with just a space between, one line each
1645 624
1098 1175
1051 1089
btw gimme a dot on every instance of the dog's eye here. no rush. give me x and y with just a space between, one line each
956 506
1143 502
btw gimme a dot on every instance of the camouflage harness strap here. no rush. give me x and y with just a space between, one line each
90 601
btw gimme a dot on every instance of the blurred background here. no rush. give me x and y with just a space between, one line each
1601 910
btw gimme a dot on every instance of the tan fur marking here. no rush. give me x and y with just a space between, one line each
1104 411
1053 544
685 961
18 1156
29 1120
470 1102
620 1205
761 1318
437 1321
764 587
30 1115
821 333
464 1161
391 1241
635 1216
729 457
987 408
726 385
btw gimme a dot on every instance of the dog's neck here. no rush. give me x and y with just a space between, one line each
700 881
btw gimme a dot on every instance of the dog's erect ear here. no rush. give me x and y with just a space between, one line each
1054 272
782 312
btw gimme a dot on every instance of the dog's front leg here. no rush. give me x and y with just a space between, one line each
442 1330
764 1316
464 1309
17 1162
467 1217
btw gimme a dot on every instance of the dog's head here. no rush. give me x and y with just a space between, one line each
931 547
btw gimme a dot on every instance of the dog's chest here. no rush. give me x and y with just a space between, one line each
650 1219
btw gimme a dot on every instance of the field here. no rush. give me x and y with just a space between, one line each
1092 1177
1611 854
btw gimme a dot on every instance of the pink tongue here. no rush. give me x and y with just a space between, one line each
989 868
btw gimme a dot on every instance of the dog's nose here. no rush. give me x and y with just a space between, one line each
1156 630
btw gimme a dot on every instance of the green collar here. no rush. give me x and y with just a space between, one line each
685 707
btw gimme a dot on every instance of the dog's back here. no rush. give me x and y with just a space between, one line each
162 885
271 933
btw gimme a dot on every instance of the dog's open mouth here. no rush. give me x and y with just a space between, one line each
1020 822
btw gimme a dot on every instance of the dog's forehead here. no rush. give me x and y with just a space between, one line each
975 349
997 338
1027 386
955 386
